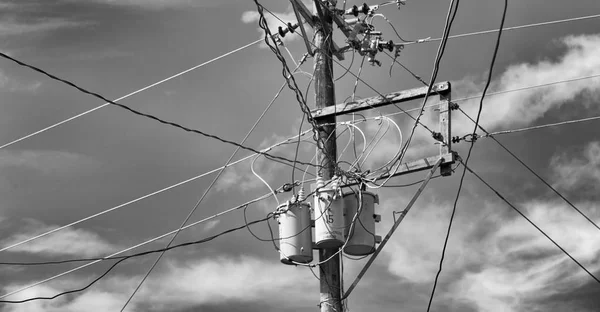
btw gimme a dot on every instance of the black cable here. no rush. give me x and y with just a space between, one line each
487 85
169 123
123 258
533 172
448 26
531 222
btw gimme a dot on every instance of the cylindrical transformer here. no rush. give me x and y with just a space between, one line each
295 233
329 218
361 236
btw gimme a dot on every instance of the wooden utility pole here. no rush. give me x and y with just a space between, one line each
327 152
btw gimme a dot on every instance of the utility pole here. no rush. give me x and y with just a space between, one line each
327 153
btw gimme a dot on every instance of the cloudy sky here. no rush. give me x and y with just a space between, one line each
495 261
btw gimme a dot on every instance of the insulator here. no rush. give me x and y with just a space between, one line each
365 9
281 31
291 27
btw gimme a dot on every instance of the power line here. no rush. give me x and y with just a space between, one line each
529 87
187 218
97 260
569 122
169 123
508 28
130 94
139 198
360 79
440 52
534 173
487 85
530 222
129 257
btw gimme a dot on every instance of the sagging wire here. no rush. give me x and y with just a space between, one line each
353 137
376 142
357 78
262 180
393 159
347 69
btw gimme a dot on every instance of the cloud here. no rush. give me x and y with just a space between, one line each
522 108
581 174
68 242
522 265
46 161
495 259
160 4
13 85
92 300
184 285
11 26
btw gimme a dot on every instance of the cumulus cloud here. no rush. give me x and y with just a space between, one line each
46 161
522 108
10 84
580 174
496 260
68 242
12 26
157 4
184 285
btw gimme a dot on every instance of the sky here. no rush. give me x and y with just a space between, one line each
495 260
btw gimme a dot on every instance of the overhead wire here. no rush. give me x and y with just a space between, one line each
113 255
454 208
509 28
556 124
137 199
531 222
129 94
94 281
214 181
452 10
534 173
134 111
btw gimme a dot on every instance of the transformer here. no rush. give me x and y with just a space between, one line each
329 216
361 236
295 233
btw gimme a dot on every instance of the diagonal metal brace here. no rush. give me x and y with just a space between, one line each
391 232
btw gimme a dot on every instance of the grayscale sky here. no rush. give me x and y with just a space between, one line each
495 261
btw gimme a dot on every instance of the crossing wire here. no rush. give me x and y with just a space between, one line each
129 257
129 95
212 184
530 222
487 85
533 172
581 18
169 123
140 198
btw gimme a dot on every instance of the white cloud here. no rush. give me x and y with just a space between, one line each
522 265
578 173
12 26
46 161
522 108
13 85
221 280
69 242
162 4
212 281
